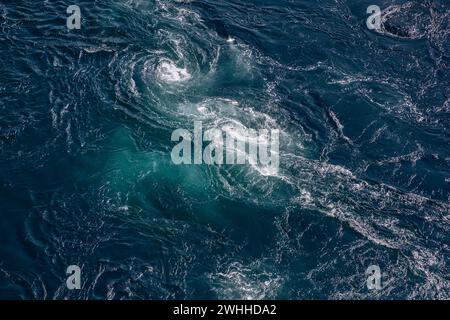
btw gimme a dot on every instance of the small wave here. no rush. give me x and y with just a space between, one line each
251 282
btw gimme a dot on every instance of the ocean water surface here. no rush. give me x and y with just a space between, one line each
86 176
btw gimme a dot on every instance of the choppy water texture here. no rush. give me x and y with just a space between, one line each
86 176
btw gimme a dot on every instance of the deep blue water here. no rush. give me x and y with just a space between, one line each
86 176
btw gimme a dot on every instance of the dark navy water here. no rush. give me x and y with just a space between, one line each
86 176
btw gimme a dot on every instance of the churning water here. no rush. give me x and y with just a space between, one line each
86 176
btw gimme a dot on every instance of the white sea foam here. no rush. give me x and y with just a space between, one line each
168 71
247 282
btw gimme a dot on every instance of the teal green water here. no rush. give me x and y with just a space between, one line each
86 177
